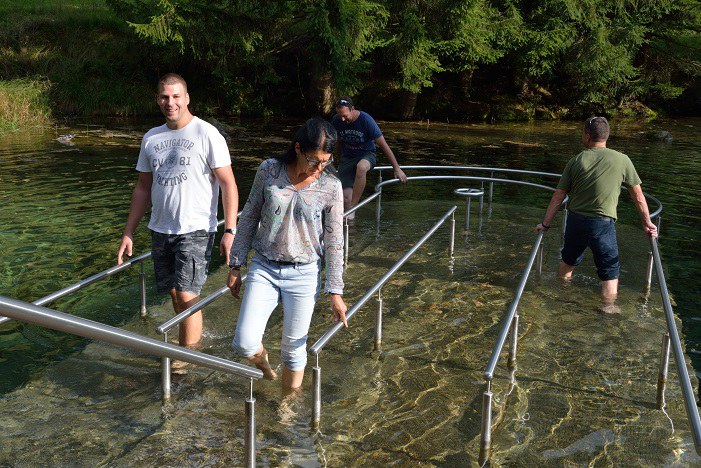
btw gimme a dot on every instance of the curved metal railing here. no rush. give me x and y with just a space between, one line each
692 410
67 323
509 323
376 288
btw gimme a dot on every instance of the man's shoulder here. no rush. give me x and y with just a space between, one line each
366 117
335 120
156 131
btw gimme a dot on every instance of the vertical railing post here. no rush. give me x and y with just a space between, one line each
479 230
378 209
142 286
659 224
316 394
467 217
165 373
648 272
452 234
346 240
250 433
662 374
486 436
491 189
513 342
378 321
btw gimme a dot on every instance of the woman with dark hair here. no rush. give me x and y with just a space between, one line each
293 218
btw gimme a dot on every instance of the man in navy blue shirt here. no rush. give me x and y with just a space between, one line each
358 134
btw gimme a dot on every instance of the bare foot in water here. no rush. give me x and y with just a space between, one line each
260 360
610 309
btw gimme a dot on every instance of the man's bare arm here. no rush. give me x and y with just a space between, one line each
553 207
636 193
140 200
382 143
230 201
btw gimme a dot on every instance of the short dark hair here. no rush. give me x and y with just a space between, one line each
344 101
315 134
597 128
171 79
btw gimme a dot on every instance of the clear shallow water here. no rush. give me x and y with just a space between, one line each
415 402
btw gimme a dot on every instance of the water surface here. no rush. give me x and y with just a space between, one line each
583 391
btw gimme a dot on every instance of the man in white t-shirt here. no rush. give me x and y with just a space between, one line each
182 164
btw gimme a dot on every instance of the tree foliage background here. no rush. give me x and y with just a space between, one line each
430 58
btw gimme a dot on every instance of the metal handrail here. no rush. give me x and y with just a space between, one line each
166 326
321 342
491 179
654 214
67 323
356 207
90 280
86 282
509 317
474 168
692 410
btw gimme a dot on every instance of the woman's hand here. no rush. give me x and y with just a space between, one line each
233 282
339 309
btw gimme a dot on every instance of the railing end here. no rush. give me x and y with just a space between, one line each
488 376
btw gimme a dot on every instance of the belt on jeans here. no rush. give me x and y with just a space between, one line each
281 262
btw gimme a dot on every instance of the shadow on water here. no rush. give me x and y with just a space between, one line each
585 382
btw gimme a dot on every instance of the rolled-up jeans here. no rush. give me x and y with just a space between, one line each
267 283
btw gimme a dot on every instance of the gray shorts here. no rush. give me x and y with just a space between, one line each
346 168
181 261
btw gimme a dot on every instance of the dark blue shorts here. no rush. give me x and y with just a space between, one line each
599 234
181 261
346 168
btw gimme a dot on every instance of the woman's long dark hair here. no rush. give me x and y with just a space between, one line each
315 134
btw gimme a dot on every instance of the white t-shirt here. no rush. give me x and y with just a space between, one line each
185 192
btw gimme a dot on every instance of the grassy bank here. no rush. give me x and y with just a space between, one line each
24 102
71 57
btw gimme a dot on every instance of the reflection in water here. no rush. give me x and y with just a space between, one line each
586 382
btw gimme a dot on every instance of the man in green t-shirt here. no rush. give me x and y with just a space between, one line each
593 181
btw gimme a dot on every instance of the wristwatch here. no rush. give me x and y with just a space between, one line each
230 231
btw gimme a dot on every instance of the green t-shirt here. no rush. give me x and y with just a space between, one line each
593 181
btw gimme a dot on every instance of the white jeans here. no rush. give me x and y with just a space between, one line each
267 283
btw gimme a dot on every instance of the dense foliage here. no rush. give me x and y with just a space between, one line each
484 59
557 55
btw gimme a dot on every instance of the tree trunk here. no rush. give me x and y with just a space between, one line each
408 104
320 94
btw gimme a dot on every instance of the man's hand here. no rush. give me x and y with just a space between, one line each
227 240
339 309
650 229
542 227
399 174
233 282
125 247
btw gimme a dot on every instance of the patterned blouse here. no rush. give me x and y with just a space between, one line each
286 224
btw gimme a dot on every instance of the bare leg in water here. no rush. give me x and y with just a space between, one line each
260 360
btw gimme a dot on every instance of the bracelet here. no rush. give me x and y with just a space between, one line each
546 226
234 267
230 231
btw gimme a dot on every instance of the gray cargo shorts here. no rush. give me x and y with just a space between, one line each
181 261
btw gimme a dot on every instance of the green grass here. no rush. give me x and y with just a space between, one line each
96 10
24 102
90 59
